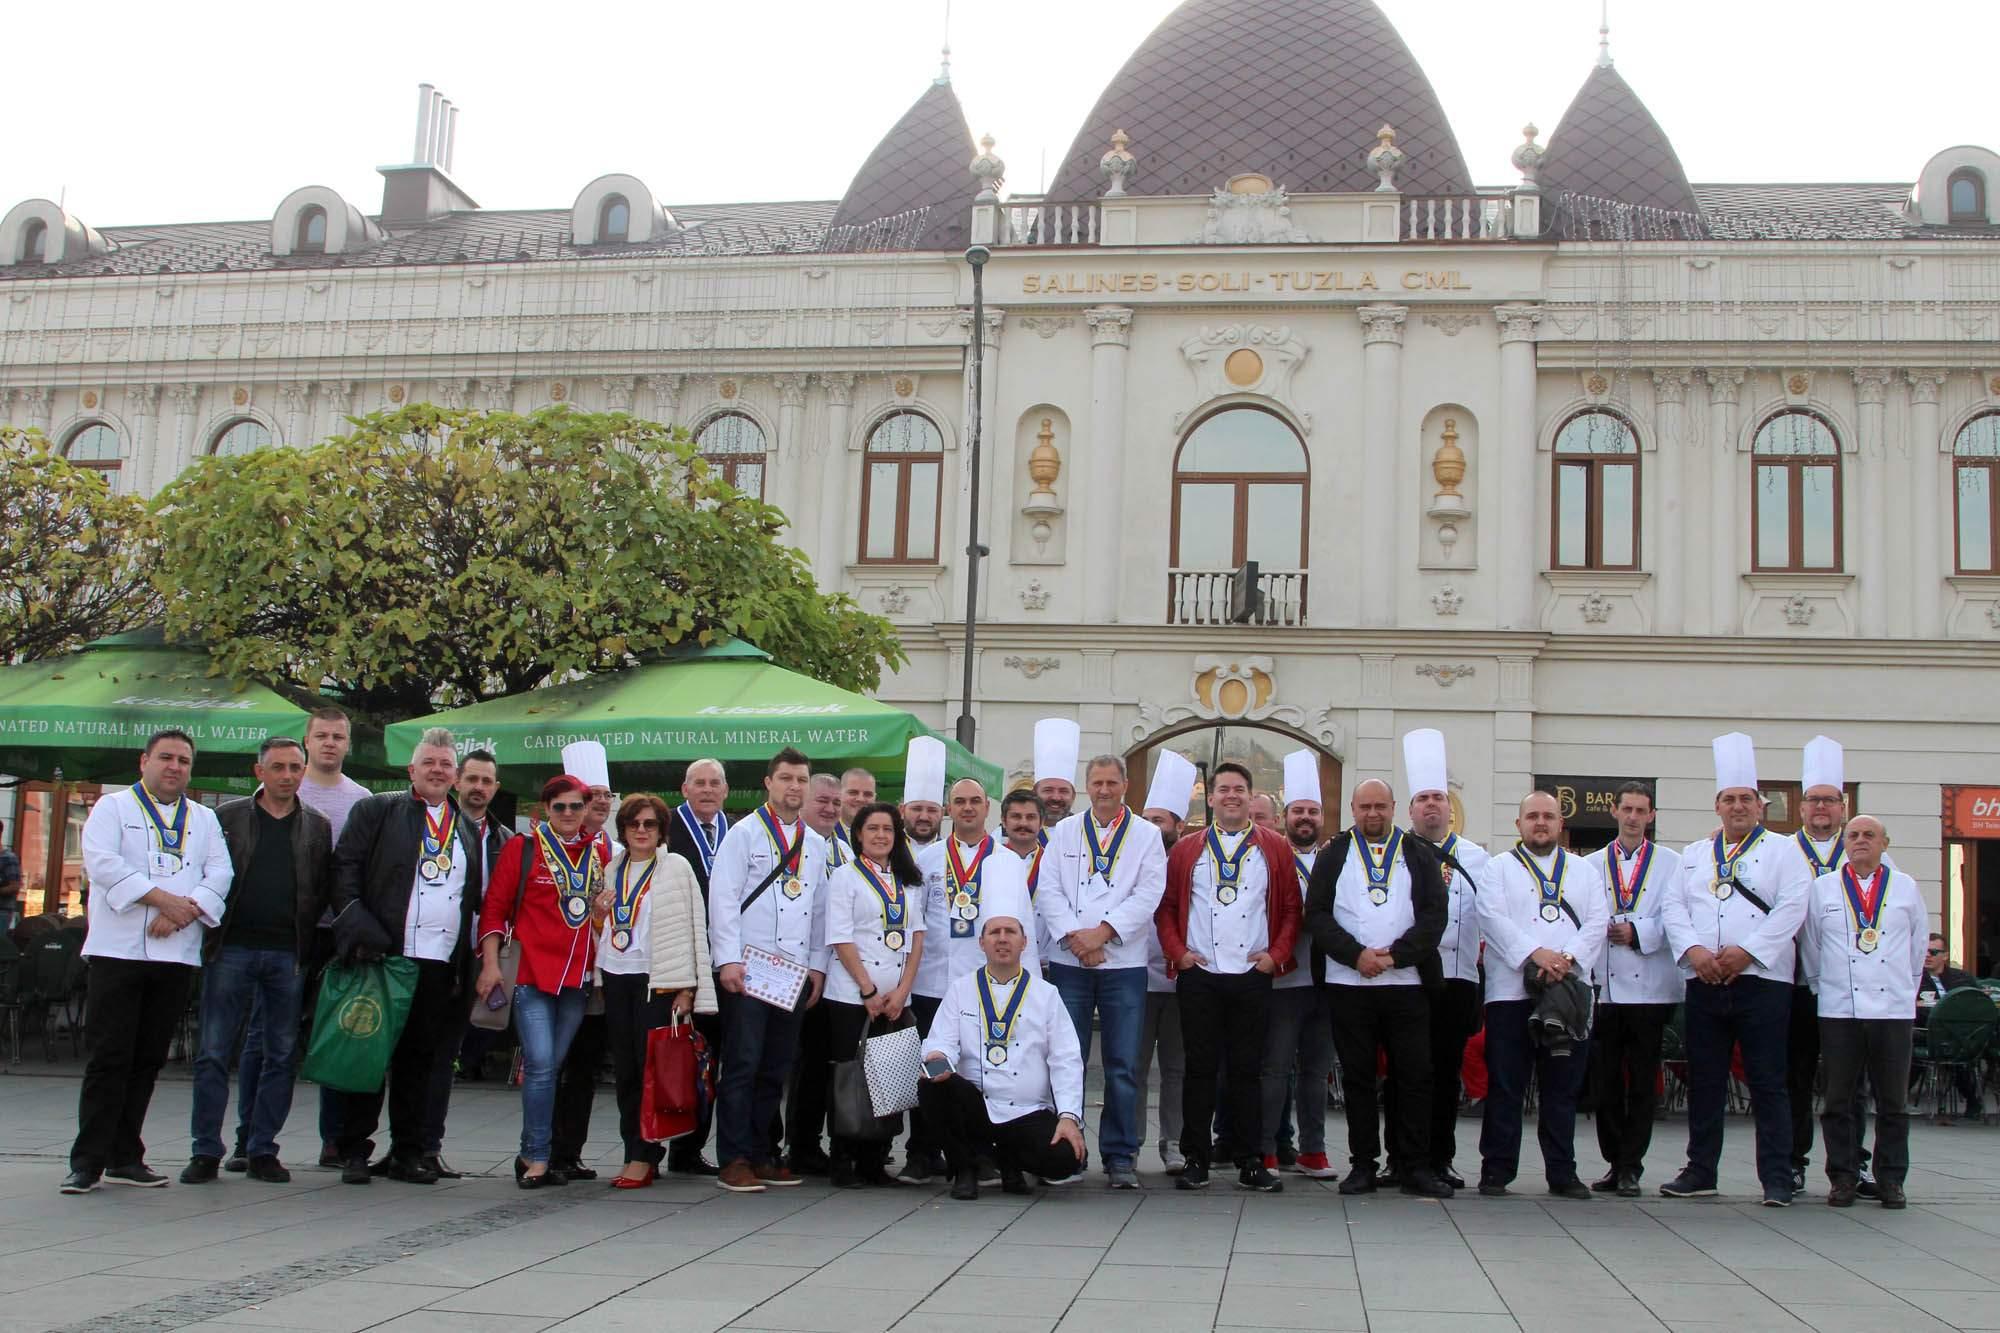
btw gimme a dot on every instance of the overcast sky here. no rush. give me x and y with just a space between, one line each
217 110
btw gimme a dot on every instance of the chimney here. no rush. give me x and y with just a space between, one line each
422 190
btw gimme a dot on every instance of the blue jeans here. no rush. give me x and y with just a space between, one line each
545 1025
239 978
758 1043
249 1072
1755 1013
1117 998
1511 1055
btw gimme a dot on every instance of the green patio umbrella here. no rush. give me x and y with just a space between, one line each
727 701
89 713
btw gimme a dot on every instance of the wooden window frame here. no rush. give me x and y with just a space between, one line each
1957 217
107 465
725 464
222 432
1989 464
870 457
1593 510
1795 535
1242 482
623 235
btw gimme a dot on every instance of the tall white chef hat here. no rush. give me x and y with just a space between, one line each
923 770
1424 762
1301 776
1825 764
585 761
1005 896
1057 740
1735 762
1173 785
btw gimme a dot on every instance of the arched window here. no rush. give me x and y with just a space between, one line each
240 436
1596 493
93 445
34 242
900 482
1975 470
312 231
1795 521
614 220
1240 483
733 445
1965 196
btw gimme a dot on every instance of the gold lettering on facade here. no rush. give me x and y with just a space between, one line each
1285 282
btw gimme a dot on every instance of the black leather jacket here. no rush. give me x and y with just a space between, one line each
375 871
312 868
1416 947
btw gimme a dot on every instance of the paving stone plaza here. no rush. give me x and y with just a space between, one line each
685 1257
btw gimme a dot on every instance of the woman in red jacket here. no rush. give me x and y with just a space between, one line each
545 883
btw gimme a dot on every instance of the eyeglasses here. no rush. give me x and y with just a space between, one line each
565 807
643 823
1933 952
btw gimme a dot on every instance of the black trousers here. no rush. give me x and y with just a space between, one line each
436 1009
130 1011
1879 1048
687 1148
1456 1013
1801 1069
1223 1020
805 1099
957 1111
576 1090
1625 1047
631 1011
443 1070
1367 1019
923 1138
843 1026
1511 1058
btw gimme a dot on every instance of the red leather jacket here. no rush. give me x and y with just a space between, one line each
1282 903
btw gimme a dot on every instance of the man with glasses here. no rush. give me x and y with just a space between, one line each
695 833
1824 807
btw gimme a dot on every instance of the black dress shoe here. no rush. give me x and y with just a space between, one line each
1628 1185
1361 1180
412 1170
1425 1185
1013 1182
696 1165
1892 1196
1571 1189
200 1170
267 1168
1492 1187
1390 1176
380 1166
1449 1176
842 1175
1288 1156
437 1163
79 1182
354 1171
876 1177
556 1176
1605 1183
239 1161
1841 1195
966 1186
1193 1176
575 1170
138 1175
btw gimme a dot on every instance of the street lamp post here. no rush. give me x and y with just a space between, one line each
977 257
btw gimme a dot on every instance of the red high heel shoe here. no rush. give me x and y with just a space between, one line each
625 1182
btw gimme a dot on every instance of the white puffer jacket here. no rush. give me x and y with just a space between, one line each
678 943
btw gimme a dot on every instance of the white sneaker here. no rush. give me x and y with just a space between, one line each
1172 1157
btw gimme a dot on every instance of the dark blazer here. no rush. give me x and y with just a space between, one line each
374 870
1416 947
687 845
312 868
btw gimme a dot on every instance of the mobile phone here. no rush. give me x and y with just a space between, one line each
937 1066
496 999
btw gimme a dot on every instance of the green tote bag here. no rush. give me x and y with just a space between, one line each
359 1016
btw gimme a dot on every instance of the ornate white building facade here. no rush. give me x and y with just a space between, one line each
1583 470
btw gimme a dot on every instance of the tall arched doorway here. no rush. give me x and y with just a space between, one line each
1259 746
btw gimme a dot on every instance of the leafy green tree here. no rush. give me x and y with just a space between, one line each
74 557
437 557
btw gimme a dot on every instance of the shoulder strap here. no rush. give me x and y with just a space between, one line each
798 854
520 885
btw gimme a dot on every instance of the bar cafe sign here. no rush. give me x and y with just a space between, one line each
1287 282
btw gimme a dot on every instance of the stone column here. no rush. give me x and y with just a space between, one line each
337 397
1696 553
782 482
837 536
1381 477
142 408
1724 539
1520 544
1871 477
1104 519
666 397
1929 523
35 408
297 400
1670 401
187 401
618 392
495 395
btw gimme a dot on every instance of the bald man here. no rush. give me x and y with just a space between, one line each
1374 911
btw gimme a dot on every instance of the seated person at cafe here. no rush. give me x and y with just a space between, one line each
1939 978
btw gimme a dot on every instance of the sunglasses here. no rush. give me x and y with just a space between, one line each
643 823
566 807
1933 952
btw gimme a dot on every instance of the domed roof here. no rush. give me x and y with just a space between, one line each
1294 89
924 161
1609 146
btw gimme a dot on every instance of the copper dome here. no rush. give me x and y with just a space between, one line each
1294 89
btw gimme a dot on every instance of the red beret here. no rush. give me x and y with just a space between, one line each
561 783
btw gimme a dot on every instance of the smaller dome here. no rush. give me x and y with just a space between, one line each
922 162
1609 146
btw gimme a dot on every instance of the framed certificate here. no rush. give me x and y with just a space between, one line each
772 978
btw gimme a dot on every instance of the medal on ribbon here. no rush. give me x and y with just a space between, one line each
999 1025
574 876
170 835
1228 868
789 882
703 847
890 896
1864 906
1626 891
437 844
1378 871
1104 855
1035 867
625 898
1450 841
1725 862
1819 867
1304 871
1550 886
962 883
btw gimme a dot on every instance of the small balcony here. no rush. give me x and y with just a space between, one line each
1201 597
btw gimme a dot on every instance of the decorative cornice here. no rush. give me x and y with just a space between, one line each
791 388
1518 323
1382 323
1924 384
839 387
1871 384
1724 385
1670 386
1110 325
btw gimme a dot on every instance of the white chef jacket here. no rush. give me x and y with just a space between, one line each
1510 916
637 960
119 847
1777 870
1302 950
948 955
1374 926
1073 897
1227 934
430 923
1044 1068
1458 947
794 927
1038 933
1853 984
854 916
1646 974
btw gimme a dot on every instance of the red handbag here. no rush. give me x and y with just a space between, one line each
676 1071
